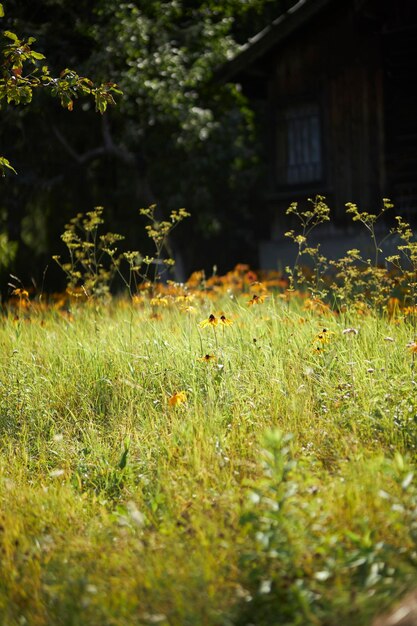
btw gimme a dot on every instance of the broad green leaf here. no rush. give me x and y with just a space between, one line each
37 55
1 11
11 36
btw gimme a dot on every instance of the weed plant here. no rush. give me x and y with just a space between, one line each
222 452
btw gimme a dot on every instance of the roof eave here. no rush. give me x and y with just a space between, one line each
277 32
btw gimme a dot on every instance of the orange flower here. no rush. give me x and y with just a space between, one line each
257 286
412 346
67 315
393 307
251 277
179 397
195 279
242 267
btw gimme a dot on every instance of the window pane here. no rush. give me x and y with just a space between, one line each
298 152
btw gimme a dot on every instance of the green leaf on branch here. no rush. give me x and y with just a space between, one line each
103 96
37 55
5 165
11 36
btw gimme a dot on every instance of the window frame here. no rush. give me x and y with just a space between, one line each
280 159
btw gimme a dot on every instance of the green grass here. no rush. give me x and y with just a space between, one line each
120 509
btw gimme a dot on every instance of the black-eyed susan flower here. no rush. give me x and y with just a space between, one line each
178 398
225 320
323 336
256 299
318 349
207 358
211 321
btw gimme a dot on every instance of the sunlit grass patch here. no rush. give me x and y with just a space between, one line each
205 467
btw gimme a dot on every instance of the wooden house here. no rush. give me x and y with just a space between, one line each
334 82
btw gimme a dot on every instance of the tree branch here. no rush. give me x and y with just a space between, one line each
79 158
108 147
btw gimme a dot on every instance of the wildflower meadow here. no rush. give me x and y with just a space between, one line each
232 450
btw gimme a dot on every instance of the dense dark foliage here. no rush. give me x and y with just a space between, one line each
176 137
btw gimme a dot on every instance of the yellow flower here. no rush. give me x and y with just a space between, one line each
256 300
211 321
159 301
22 293
225 321
188 298
323 336
188 308
318 349
256 285
179 397
207 358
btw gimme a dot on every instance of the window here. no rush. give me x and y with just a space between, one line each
298 145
